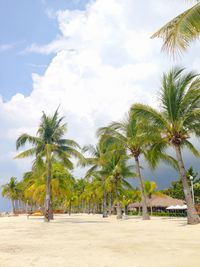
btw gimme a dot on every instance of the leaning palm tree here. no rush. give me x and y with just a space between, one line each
133 135
48 144
178 119
10 190
181 31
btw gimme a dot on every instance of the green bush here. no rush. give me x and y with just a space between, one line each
169 214
162 214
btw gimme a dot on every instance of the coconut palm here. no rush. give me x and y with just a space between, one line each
129 196
178 119
97 162
79 188
94 192
117 171
133 135
35 184
178 33
150 189
49 143
10 190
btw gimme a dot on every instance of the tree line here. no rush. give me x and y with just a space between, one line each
145 131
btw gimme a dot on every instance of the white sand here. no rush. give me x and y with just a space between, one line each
89 240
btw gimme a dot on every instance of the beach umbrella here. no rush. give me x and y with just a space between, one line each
184 207
178 207
170 208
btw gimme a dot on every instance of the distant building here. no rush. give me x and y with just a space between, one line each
158 203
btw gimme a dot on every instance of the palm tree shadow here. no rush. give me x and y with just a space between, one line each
76 221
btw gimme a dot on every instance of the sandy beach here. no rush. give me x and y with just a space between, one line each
89 240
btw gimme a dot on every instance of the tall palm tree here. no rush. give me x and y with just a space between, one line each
178 33
131 133
10 190
117 171
97 162
178 119
49 143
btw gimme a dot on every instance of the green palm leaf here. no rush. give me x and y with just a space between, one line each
180 31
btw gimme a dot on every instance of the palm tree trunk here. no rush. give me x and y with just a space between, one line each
13 205
119 210
192 216
145 215
125 210
94 208
151 207
48 203
104 204
109 204
139 210
70 208
89 207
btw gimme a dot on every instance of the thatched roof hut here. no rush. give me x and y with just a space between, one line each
159 202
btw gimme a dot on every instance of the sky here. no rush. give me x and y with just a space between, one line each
93 58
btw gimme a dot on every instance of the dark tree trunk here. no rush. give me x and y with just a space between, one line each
145 215
104 204
48 201
70 208
125 210
192 216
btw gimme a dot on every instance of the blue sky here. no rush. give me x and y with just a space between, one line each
94 62
23 23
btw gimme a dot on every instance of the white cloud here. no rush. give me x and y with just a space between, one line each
53 47
104 61
5 47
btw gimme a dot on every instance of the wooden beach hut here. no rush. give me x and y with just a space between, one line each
157 203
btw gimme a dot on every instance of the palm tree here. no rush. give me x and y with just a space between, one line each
48 144
79 188
34 184
117 171
180 31
10 190
97 162
129 196
178 119
132 135
150 189
93 192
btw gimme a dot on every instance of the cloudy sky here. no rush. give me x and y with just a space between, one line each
93 58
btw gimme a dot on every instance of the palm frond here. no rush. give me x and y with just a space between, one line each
192 149
149 114
180 31
27 153
24 138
